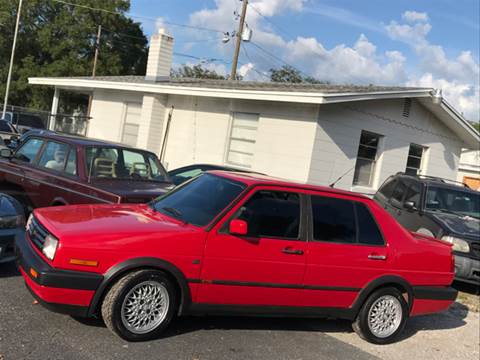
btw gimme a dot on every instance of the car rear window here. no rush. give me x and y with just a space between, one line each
344 221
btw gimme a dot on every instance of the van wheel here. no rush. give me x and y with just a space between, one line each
382 317
140 305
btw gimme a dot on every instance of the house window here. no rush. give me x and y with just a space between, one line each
414 161
366 159
243 136
131 124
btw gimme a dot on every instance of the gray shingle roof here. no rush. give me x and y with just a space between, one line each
252 85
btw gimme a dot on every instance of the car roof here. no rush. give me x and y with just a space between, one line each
439 182
255 179
80 141
211 167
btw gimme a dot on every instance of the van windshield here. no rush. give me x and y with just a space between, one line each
453 201
112 163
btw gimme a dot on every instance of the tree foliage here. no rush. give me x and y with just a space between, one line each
59 40
197 72
288 74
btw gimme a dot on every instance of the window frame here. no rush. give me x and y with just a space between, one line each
303 226
355 203
421 158
230 138
373 173
37 156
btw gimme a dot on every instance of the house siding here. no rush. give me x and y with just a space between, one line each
200 131
338 134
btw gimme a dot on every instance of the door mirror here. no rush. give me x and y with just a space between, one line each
6 153
409 205
238 227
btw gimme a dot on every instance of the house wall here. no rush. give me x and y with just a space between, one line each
108 113
469 168
200 130
338 135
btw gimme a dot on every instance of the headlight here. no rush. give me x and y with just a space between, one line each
11 222
50 247
458 244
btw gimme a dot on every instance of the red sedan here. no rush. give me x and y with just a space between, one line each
231 243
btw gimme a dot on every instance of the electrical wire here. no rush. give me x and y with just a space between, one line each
138 17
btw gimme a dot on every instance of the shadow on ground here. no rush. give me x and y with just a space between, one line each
8 269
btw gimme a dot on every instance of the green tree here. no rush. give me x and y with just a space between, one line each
288 74
476 125
197 72
56 39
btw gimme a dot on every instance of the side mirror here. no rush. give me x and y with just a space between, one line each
238 227
409 205
6 153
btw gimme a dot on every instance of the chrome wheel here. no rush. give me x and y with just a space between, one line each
385 316
145 307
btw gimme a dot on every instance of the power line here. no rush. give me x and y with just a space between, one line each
138 16
253 68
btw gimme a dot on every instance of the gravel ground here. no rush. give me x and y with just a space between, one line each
28 331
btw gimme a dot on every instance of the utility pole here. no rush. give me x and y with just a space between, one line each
94 70
12 56
97 45
233 74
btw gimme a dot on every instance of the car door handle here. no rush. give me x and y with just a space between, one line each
290 251
377 257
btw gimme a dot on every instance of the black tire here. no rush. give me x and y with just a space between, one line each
113 302
361 326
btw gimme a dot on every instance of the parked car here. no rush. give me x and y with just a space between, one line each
8 133
12 222
51 169
185 173
440 208
25 121
234 243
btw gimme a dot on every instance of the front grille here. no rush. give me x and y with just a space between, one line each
37 233
475 249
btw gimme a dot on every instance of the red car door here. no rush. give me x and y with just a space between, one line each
266 267
346 251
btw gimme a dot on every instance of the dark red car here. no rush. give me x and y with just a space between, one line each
234 243
52 169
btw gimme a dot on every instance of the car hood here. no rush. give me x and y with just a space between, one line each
107 224
457 225
134 191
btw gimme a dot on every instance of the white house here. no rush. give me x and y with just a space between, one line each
308 133
469 168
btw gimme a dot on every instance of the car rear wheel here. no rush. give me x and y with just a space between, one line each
382 317
140 305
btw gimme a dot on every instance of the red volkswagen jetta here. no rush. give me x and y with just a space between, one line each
235 243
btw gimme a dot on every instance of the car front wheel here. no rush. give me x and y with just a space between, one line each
140 305
382 317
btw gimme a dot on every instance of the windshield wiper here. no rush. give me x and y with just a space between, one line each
176 213
446 211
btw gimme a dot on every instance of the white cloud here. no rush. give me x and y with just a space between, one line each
359 63
414 16
160 24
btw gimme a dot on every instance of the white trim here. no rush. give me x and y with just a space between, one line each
266 95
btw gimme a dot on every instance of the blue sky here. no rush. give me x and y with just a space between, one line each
432 43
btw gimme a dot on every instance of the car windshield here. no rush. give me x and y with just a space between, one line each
199 201
453 201
111 163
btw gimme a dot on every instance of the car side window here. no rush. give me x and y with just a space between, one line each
399 192
413 194
53 156
333 220
387 188
272 214
28 152
368 231
71 166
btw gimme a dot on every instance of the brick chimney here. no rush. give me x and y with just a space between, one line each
159 56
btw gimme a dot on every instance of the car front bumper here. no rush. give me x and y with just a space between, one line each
467 270
63 291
